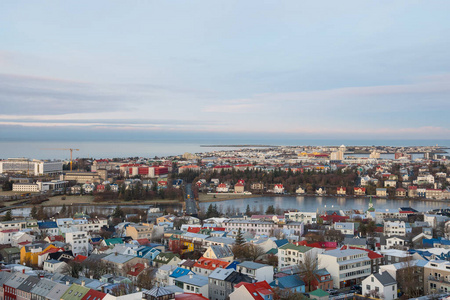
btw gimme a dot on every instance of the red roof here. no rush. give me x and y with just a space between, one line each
412 187
194 229
136 269
189 296
222 167
142 241
210 264
280 186
79 258
238 184
93 295
56 238
132 165
102 160
10 230
222 185
256 289
371 254
51 250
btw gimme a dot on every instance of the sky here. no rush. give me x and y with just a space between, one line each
183 69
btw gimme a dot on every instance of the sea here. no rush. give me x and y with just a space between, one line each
161 148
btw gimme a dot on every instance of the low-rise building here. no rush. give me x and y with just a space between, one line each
380 285
257 271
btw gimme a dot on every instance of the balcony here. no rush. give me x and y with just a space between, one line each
438 279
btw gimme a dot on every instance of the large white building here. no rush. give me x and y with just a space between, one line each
399 228
292 255
347 267
40 186
30 167
305 217
79 240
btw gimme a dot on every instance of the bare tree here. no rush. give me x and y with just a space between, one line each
253 252
145 279
408 278
308 269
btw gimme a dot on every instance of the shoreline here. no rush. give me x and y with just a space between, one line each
238 197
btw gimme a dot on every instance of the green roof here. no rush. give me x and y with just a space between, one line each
272 251
75 292
113 241
289 246
319 293
168 255
12 250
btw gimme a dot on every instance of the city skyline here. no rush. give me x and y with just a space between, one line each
289 69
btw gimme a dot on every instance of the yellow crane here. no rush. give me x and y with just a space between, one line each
71 151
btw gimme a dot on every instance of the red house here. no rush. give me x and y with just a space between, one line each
359 191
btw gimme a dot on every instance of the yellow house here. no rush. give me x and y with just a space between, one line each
164 219
30 254
186 246
143 231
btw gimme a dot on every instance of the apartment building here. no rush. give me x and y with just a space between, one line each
437 277
292 255
399 228
305 217
255 227
79 240
347 267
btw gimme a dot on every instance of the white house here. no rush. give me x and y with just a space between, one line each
53 266
300 190
346 267
278 189
257 271
395 242
6 235
380 285
193 283
222 188
345 228
20 237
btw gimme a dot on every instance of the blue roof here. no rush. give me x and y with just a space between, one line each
96 239
288 282
47 225
282 242
430 242
195 279
178 272
233 265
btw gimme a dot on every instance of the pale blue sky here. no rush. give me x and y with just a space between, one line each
375 69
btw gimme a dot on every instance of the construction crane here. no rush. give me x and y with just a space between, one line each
71 150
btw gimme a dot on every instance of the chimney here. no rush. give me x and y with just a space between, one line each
276 281
23 271
67 282
190 276
83 283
